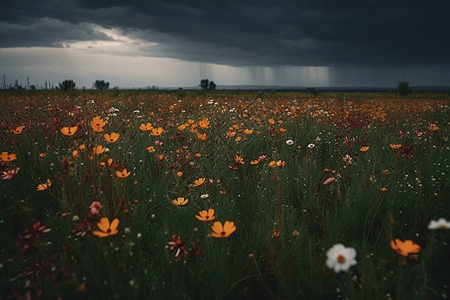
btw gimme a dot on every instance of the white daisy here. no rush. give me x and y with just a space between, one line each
439 224
310 146
289 142
204 196
340 258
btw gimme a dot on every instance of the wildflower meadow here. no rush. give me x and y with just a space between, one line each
224 195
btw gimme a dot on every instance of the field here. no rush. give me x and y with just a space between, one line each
224 195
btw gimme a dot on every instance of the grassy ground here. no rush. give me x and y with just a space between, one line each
315 184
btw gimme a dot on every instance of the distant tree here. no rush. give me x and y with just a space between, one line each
204 84
101 85
312 91
212 85
32 87
403 88
66 85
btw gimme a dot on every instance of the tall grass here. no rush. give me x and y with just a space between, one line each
286 217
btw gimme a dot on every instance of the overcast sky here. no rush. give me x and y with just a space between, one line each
174 43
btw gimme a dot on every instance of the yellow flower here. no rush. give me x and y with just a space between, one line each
223 231
8 157
44 186
18 130
206 215
123 173
69 131
146 127
180 201
199 181
364 149
106 228
404 248
111 138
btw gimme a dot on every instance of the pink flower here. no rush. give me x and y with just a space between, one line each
8 174
329 180
262 157
95 207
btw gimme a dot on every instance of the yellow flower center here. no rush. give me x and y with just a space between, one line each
340 259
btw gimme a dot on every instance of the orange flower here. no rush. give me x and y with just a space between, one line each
222 192
97 124
202 136
75 153
160 156
180 201
18 130
69 131
146 127
239 159
282 129
199 181
281 163
42 155
254 162
383 189
111 138
8 157
151 149
82 147
99 149
157 131
237 139
386 172
404 248
123 173
364 149
433 127
271 121
108 162
198 155
179 174
395 146
231 133
106 228
224 231
248 131
44 186
206 215
204 123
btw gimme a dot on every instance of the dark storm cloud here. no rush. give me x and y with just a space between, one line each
311 32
